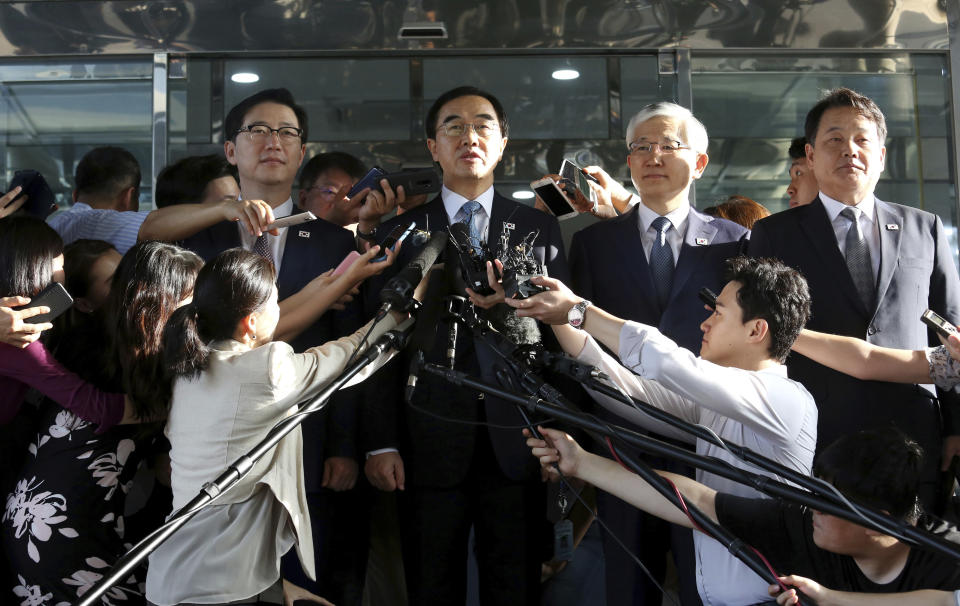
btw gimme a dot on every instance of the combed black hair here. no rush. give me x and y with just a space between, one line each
27 248
234 120
106 171
771 291
798 148
877 467
186 180
233 285
430 124
844 97
338 160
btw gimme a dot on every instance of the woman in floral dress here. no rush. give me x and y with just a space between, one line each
63 526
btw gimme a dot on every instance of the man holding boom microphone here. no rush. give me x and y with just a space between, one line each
738 388
454 468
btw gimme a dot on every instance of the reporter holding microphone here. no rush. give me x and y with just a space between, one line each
231 383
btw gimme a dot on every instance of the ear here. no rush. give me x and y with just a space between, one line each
432 146
809 151
303 153
230 151
130 199
759 330
503 146
702 161
83 304
247 328
302 197
883 158
74 195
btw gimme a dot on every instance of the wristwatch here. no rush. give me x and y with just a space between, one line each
577 314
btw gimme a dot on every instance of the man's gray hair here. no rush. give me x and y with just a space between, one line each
692 131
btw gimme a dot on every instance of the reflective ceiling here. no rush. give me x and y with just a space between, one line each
62 27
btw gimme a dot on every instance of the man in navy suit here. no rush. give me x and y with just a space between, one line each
636 271
873 268
264 138
455 471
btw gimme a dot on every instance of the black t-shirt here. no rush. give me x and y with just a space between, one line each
783 533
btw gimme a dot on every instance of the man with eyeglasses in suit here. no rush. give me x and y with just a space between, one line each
648 265
450 453
264 137
322 183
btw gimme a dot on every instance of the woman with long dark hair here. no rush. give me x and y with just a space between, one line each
231 383
31 258
63 524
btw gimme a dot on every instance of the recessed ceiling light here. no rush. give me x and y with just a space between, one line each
523 194
565 74
245 77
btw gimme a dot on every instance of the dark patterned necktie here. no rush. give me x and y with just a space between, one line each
858 258
262 248
661 260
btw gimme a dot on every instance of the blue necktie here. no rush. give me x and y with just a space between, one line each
471 214
661 260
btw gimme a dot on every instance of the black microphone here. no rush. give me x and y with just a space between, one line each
398 292
425 331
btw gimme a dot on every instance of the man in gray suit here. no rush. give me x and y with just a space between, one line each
873 267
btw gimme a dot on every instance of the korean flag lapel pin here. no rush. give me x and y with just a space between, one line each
303 233
892 227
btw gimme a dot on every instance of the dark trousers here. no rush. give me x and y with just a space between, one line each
509 525
340 523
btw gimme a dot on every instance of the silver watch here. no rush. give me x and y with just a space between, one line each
577 313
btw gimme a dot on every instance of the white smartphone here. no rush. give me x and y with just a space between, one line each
292 220
554 198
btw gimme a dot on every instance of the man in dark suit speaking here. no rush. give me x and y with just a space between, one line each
873 267
455 471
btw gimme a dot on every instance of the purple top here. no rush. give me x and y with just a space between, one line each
34 367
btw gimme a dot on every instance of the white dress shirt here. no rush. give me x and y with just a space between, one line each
762 410
868 225
276 243
452 201
675 235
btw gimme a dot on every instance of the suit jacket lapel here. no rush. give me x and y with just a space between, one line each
889 247
700 233
816 225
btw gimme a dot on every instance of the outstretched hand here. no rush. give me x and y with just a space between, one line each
556 447
549 307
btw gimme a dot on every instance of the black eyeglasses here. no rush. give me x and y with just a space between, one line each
260 132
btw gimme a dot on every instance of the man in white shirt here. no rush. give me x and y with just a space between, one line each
647 266
106 205
738 387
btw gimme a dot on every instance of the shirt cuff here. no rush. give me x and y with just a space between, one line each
380 451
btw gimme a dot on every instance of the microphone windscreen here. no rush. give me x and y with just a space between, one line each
428 316
521 331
